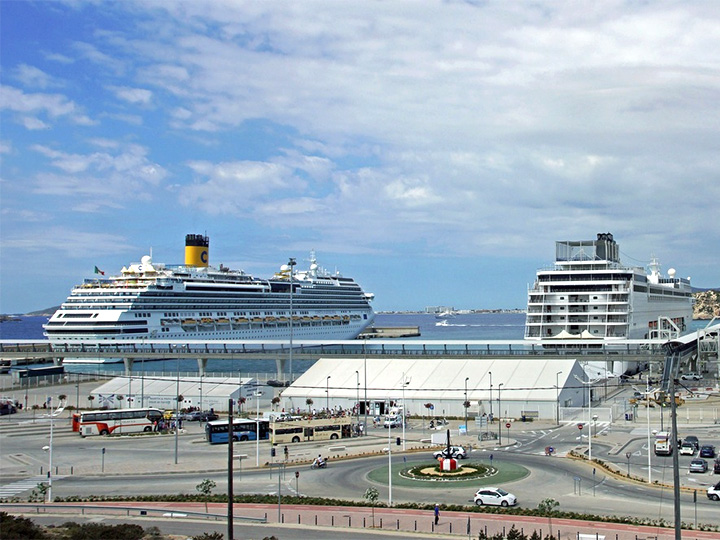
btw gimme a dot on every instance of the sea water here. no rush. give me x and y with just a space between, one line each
462 327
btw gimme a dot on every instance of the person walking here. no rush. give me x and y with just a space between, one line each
437 514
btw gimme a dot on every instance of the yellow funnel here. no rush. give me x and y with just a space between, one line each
197 250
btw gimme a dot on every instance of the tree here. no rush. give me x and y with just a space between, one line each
241 402
548 506
371 495
205 487
309 402
62 397
91 398
275 401
120 398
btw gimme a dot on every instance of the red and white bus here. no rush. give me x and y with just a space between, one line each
117 421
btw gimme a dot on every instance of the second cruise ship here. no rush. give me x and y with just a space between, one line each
590 294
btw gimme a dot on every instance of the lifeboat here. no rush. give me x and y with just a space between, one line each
189 322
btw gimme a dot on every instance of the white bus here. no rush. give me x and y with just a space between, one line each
303 429
105 422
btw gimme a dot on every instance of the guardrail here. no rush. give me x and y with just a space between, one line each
137 510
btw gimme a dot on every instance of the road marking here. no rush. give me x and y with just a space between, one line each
8 490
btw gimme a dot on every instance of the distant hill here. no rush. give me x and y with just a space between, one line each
47 312
707 304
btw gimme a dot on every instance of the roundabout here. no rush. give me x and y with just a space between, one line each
428 475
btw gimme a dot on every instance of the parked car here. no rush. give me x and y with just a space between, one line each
494 496
7 408
457 452
713 492
698 465
278 384
707 450
691 377
692 439
191 416
687 449
716 466
208 416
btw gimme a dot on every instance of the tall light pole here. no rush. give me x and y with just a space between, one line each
465 406
327 394
357 379
404 409
291 264
389 467
557 397
365 398
499 414
177 405
490 373
258 393
589 384
200 404
49 448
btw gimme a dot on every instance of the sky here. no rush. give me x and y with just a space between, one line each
433 151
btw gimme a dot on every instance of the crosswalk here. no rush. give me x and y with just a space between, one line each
9 490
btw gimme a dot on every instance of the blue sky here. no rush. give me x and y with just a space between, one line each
434 151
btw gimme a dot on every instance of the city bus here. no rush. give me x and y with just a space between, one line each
302 429
105 422
244 429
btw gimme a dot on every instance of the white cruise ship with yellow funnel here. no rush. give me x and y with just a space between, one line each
197 301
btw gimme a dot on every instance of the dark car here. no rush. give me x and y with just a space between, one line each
278 384
208 416
692 439
716 466
707 450
7 408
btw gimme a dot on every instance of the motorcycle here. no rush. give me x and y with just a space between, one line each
320 465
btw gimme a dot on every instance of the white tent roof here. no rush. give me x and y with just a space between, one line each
438 378
167 386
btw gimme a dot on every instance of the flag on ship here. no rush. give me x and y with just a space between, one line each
98 271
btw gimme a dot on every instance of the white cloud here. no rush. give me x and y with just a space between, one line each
138 96
53 106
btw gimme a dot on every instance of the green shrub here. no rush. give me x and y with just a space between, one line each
19 527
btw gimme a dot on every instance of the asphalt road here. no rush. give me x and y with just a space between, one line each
571 483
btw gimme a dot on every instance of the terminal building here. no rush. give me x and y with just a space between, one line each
439 387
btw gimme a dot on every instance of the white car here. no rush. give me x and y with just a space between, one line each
495 496
713 492
687 449
691 377
457 452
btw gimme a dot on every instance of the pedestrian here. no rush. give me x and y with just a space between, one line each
437 514
286 452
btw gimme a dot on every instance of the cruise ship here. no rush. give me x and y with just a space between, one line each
590 294
196 301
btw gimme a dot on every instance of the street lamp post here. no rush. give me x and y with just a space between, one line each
291 264
499 414
465 406
589 384
327 394
258 393
557 397
404 409
491 415
389 467
365 397
49 448
357 379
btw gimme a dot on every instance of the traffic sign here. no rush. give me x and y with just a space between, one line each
507 425
297 474
580 426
